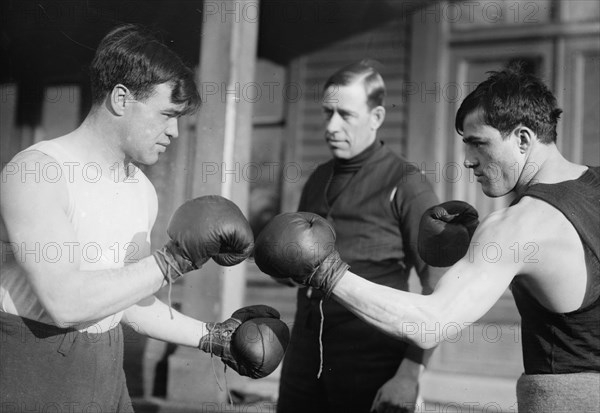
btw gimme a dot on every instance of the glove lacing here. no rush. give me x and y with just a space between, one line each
321 339
169 278
209 327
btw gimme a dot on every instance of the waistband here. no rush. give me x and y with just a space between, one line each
16 329
573 392
11 322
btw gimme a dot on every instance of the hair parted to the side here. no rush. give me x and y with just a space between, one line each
510 98
366 72
131 56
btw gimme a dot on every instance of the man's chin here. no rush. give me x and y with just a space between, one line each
148 160
339 153
493 192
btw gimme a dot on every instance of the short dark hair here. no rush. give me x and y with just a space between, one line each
510 98
365 71
135 58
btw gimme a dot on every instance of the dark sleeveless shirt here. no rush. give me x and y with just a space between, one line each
557 343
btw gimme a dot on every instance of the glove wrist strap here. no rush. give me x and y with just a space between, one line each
329 273
218 337
167 265
172 263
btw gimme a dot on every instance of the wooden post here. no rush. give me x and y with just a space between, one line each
427 129
218 157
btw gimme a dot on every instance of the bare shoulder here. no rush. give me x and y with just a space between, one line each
530 218
31 177
544 249
28 167
557 239
531 237
30 157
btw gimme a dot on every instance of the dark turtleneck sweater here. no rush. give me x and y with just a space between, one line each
345 169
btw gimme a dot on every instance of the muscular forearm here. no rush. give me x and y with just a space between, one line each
79 296
465 292
407 316
152 318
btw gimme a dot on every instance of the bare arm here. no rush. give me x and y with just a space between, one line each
417 358
151 317
464 294
34 211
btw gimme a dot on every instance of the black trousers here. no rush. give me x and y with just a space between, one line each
45 368
357 361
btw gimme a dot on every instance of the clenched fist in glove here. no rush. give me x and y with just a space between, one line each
251 342
445 232
300 246
203 228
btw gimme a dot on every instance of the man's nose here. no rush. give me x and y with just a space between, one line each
470 160
333 123
172 128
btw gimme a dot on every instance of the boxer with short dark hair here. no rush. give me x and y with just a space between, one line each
508 124
76 249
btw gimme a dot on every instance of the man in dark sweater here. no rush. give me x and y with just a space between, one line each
374 199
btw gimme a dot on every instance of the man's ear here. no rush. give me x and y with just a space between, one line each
525 137
377 117
118 99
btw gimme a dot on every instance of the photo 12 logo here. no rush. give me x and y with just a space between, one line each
53 172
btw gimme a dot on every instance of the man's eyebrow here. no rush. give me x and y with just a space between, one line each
346 111
470 139
338 109
173 111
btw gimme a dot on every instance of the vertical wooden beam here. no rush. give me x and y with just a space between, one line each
217 158
427 129
292 149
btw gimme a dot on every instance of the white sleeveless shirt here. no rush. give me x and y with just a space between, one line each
112 220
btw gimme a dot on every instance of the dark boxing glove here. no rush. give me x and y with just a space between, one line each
252 342
203 228
445 232
300 246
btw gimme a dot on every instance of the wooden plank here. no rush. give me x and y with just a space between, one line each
228 57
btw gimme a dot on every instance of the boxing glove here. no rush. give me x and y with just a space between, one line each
445 232
203 228
252 341
300 246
